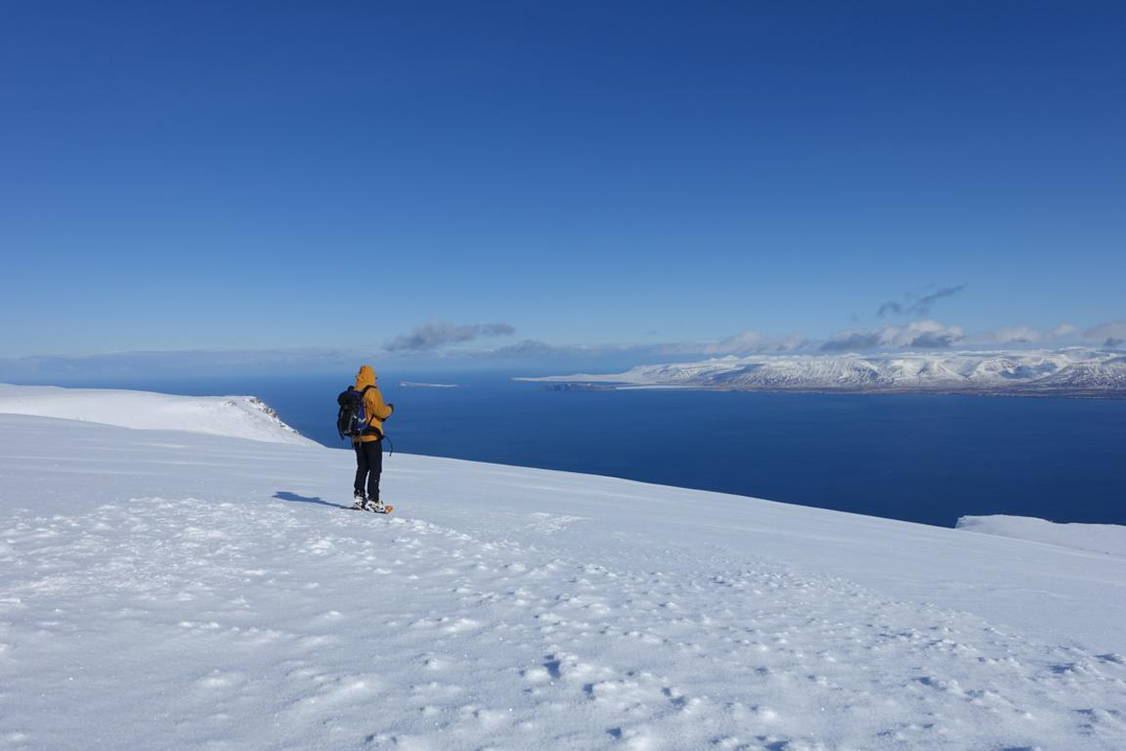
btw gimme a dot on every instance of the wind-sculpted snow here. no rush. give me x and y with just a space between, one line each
169 590
235 416
1072 371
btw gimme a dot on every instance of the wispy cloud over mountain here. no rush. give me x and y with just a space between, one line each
745 342
918 335
437 334
915 305
853 341
1110 334
1017 335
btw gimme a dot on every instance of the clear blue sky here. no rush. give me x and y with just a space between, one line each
265 175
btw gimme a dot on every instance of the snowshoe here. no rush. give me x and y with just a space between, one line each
363 504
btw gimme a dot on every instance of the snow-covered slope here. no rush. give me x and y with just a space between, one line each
1074 371
235 416
164 590
1100 538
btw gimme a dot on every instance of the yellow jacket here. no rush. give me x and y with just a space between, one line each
375 408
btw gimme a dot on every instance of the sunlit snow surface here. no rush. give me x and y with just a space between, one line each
175 590
236 416
1100 538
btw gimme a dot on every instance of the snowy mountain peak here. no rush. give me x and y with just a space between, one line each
233 416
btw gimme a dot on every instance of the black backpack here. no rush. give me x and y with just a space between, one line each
351 420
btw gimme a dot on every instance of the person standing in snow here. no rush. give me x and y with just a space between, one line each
369 444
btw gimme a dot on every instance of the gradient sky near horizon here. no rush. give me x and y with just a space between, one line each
269 175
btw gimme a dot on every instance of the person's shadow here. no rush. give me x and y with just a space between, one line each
285 495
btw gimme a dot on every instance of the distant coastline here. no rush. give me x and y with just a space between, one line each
1072 372
1014 391
424 385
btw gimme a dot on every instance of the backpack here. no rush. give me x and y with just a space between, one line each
351 420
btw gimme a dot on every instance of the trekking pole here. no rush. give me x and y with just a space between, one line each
390 444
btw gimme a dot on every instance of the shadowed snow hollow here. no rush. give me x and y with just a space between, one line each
233 416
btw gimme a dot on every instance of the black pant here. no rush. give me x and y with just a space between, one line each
369 464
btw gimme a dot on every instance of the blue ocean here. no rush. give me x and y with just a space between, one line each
922 458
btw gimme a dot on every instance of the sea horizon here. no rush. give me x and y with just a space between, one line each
928 458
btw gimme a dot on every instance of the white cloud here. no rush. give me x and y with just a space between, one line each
1021 334
746 342
1110 334
917 335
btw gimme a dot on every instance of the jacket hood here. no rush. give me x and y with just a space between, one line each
366 377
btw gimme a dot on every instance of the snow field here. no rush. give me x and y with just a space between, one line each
167 590
191 623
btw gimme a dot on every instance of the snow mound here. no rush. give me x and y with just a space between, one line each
233 416
1099 538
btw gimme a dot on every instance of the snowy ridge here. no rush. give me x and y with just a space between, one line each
1072 371
1100 538
176 590
234 416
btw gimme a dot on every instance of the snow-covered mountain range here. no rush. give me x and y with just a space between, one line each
1072 371
186 588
